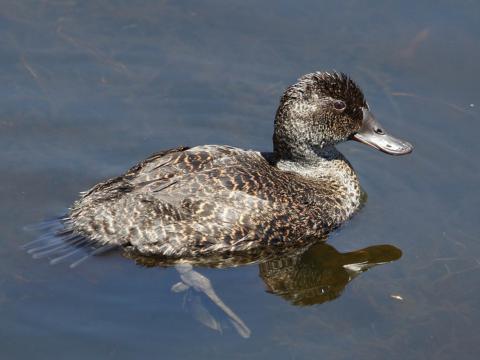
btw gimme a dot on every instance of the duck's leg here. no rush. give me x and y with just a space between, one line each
195 306
202 284
239 325
200 312
180 287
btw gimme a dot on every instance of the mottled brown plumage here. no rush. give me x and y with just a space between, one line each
210 198
187 202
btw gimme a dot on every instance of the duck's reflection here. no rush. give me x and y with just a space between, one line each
306 276
321 273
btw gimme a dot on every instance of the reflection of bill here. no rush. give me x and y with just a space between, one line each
313 276
321 273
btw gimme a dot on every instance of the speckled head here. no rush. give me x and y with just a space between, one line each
323 109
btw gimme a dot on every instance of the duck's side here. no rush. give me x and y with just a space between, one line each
185 202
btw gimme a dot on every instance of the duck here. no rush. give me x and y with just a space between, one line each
191 202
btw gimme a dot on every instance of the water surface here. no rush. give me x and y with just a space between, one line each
91 88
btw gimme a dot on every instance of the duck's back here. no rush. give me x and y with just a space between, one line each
190 201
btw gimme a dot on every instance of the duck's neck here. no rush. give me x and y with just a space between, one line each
328 167
319 163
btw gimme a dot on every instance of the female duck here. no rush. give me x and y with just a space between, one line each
186 202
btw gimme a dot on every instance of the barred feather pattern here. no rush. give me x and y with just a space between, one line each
185 202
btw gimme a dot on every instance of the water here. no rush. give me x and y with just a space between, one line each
90 88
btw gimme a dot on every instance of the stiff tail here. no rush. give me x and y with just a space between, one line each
59 243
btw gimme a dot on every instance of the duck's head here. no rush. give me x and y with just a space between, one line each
323 109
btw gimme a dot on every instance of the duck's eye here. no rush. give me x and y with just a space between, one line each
379 131
339 105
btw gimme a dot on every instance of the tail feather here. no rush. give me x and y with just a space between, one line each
42 239
59 242
63 257
98 251
51 250
46 224
56 242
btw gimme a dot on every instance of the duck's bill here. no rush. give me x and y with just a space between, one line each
372 134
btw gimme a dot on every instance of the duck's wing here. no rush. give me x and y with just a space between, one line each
189 201
216 198
177 202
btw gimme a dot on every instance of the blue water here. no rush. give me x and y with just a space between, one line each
90 88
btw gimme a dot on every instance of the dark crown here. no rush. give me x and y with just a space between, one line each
334 84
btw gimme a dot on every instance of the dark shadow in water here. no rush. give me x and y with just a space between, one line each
321 273
307 276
